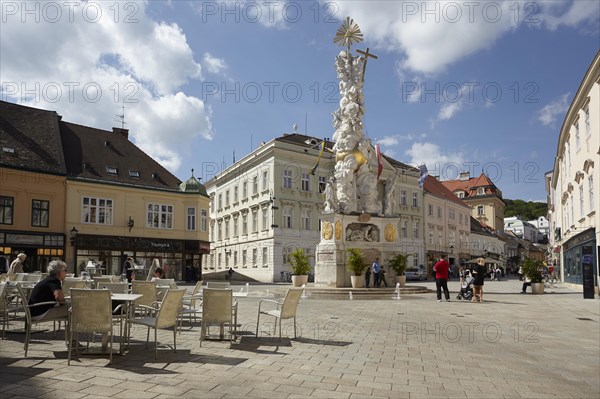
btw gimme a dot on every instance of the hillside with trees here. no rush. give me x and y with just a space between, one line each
525 210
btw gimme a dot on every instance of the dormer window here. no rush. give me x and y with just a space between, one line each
480 191
111 170
134 174
461 194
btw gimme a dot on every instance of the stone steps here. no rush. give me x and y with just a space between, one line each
363 293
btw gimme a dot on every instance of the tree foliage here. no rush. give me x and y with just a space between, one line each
526 210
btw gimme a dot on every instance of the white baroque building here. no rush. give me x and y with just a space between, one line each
521 228
573 186
265 206
268 204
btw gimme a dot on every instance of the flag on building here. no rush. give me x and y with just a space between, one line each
314 169
424 174
379 161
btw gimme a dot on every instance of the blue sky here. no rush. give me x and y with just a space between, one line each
457 85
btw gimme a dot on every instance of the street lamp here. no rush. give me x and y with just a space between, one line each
73 235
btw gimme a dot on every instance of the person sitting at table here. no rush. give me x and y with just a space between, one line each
159 273
49 289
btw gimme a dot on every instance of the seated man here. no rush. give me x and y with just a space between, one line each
50 289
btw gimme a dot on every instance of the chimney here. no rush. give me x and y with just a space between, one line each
464 176
122 132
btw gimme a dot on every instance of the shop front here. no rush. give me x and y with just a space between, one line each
579 254
40 248
178 258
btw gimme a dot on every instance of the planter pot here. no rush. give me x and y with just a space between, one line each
401 280
357 281
537 288
299 280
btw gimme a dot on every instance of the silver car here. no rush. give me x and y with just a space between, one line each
414 273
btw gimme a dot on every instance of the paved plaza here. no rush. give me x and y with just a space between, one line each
510 346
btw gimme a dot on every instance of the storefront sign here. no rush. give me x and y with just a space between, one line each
24 239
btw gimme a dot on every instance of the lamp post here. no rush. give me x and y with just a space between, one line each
73 235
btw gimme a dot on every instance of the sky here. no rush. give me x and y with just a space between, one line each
458 85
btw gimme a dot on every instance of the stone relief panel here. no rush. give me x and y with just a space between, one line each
362 232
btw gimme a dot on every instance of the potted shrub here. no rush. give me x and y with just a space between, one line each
532 269
398 265
356 265
300 267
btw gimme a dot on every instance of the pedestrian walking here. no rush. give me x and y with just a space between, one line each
382 277
368 276
478 277
17 265
441 278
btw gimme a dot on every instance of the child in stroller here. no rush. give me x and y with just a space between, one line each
466 291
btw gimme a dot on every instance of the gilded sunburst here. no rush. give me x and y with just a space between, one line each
348 34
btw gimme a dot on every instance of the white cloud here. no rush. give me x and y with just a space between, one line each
214 64
140 65
394 140
445 165
430 36
448 110
548 114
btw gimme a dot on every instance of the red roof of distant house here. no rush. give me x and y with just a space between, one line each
469 186
434 187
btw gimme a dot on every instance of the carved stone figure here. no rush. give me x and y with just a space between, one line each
390 199
330 196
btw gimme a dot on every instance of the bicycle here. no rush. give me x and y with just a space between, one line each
286 277
550 279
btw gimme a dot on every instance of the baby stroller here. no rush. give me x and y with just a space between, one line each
466 291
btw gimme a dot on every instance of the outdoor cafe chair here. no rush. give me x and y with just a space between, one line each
115 288
148 291
29 321
90 313
68 284
103 279
217 308
286 309
190 304
7 306
162 317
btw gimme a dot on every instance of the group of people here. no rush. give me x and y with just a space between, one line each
378 275
441 278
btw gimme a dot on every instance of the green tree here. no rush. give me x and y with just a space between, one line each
525 210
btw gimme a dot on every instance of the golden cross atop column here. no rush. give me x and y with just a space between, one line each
366 57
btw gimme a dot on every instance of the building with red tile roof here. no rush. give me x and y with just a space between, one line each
482 195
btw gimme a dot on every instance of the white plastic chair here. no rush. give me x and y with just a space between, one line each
165 316
90 312
286 309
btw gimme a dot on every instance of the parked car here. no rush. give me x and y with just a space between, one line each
414 273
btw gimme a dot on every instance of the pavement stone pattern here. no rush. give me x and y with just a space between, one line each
510 346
